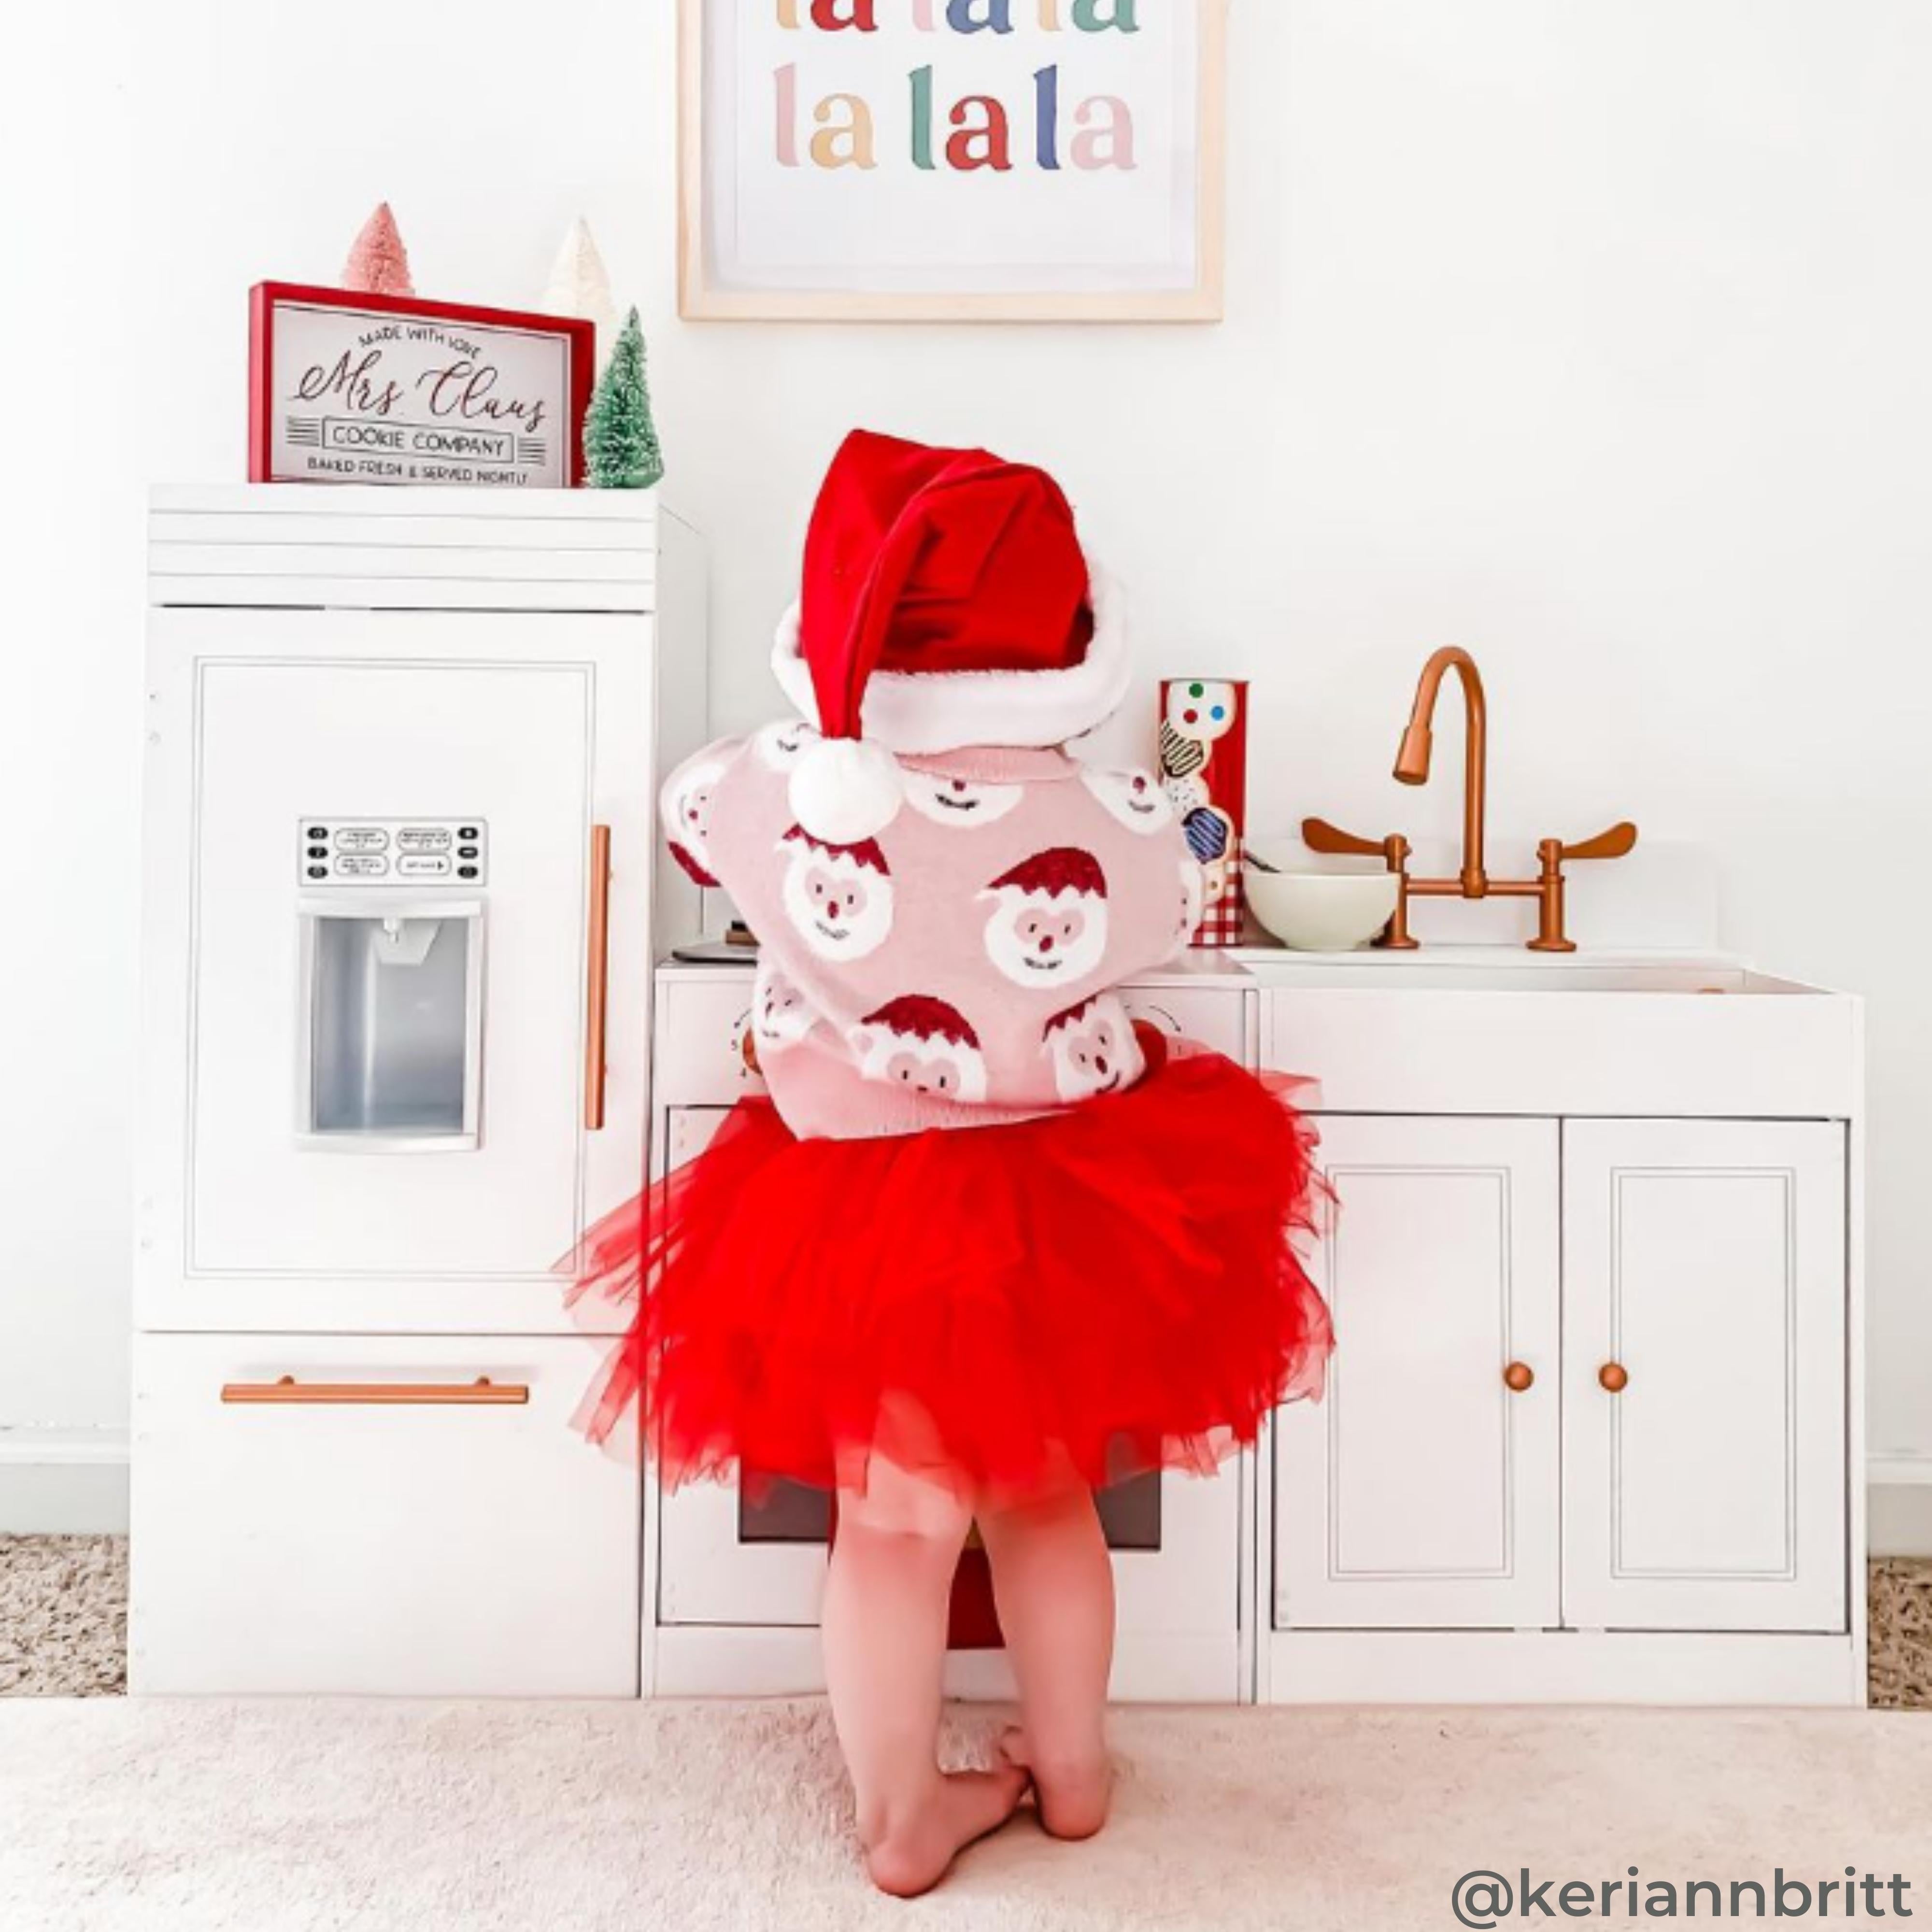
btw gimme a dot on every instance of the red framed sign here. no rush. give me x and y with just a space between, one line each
349 388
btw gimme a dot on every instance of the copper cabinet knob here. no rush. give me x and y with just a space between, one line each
1519 1377
1615 1377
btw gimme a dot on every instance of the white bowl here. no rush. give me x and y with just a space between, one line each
1313 902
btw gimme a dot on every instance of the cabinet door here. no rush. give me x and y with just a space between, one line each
266 721
1704 1435
1422 1491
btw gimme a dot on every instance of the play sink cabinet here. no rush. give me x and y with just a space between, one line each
1595 1425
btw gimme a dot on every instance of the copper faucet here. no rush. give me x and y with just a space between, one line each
1472 881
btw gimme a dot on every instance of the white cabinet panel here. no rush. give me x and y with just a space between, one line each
1210 1016
724 1560
265 720
279 741
1422 1491
700 1049
433 1550
1704 1261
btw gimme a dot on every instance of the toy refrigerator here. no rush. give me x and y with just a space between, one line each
401 909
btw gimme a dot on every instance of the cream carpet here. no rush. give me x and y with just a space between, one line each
165 1817
63 1616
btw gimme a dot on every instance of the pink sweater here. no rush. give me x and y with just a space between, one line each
958 970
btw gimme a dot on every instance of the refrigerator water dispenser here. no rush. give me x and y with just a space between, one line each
392 1053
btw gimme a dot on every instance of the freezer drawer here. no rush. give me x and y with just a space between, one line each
404 1515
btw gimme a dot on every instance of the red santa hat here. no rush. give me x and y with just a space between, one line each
946 602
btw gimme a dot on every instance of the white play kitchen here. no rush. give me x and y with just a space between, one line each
1594 1426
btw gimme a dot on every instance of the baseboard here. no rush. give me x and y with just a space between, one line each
718 1660
63 1482
1901 1504
1664 1667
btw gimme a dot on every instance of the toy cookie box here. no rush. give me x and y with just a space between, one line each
1203 766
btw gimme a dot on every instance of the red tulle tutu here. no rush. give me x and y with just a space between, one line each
1113 1287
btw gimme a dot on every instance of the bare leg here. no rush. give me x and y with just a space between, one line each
886 1599
1053 1582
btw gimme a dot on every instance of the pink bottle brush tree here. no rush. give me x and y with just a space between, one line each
378 264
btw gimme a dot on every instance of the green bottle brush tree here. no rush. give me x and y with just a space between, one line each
621 451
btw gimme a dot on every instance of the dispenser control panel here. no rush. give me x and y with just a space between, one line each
391 851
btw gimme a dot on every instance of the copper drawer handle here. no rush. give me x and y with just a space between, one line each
599 1000
1614 1377
1520 1378
482 1393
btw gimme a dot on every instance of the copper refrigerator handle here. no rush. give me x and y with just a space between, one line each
599 1000
481 1394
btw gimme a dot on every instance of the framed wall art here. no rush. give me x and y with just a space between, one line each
952 160
347 387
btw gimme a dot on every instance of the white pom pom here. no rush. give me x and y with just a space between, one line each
844 790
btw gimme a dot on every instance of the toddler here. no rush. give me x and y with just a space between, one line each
987 1247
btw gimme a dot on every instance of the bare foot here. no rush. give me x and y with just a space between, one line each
1073 1792
916 1853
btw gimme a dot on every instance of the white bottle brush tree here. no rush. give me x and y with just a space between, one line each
620 441
579 285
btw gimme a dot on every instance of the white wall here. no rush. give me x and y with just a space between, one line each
1592 335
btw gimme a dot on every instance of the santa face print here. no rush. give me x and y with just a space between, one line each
779 747
1037 937
938 1067
838 897
1093 1049
1049 921
1204 710
958 801
923 1045
1133 798
688 833
780 1016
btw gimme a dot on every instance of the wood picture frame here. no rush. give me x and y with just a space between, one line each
708 291
362 413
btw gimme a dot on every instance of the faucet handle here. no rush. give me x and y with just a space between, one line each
1617 843
1319 836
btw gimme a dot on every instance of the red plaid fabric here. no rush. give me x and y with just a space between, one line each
1225 922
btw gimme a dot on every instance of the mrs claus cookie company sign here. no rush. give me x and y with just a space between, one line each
899 155
362 389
